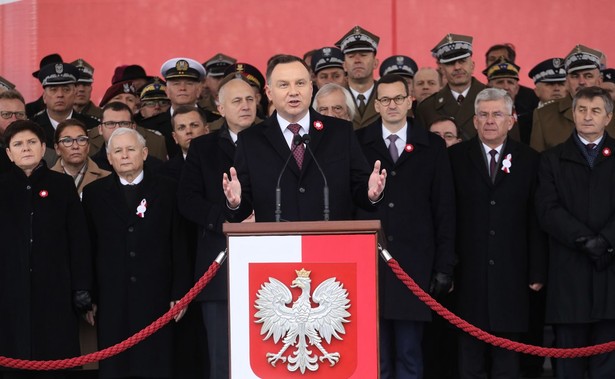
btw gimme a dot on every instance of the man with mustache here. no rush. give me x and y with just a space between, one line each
456 98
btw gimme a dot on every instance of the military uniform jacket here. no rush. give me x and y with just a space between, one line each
360 121
574 200
42 119
141 265
202 201
260 156
443 103
417 214
500 247
553 124
92 110
45 257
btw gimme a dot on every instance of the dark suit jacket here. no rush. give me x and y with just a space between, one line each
261 153
525 103
417 214
573 201
442 103
498 236
202 201
42 119
162 123
141 264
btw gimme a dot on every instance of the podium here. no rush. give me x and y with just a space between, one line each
303 299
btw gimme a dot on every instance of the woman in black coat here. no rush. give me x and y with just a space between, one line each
45 267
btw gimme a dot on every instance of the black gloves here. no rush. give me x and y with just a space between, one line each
440 284
597 249
82 301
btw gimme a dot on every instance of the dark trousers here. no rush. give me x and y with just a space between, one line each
478 360
215 319
578 335
401 355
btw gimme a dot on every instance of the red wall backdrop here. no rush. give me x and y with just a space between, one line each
108 33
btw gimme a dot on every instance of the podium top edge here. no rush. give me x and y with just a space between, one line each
303 227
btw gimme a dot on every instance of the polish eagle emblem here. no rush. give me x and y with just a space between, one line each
301 325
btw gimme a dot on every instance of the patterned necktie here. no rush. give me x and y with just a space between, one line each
460 99
299 150
590 147
493 164
392 147
362 104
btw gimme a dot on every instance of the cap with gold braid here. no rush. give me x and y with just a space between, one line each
182 68
502 68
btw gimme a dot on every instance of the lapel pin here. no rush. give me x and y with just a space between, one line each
606 152
43 193
409 148
318 125
507 164
142 208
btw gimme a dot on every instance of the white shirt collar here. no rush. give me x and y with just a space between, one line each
55 123
488 149
464 93
137 180
288 135
401 133
585 142
233 136
367 94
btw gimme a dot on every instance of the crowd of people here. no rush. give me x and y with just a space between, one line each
496 198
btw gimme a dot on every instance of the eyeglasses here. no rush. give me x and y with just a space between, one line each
18 115
399 100
114 124
496 115
153 103
68 141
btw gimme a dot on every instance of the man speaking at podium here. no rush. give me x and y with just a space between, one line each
264 158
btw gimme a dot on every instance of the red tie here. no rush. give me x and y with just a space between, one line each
299 150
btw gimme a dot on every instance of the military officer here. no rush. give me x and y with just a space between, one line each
549 78
83 99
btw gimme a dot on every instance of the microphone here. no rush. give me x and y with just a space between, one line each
297 140
325 190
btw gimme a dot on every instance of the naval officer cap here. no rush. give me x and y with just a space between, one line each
327 57
453 47
548 71
582 58
182 68
216 65
502 68
358 39
86 71
57 74
400 65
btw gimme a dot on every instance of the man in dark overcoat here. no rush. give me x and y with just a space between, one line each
576 207
140 257
201 200
499 244
418 218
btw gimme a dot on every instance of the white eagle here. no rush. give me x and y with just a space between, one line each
301 324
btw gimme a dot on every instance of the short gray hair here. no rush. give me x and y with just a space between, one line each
494 94
329 88
590 93
122 131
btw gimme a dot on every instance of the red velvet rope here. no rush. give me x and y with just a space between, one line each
490 338
399 272
60 364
